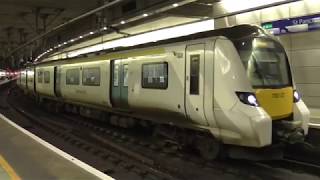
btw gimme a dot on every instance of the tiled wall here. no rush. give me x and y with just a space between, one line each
303 48
305 57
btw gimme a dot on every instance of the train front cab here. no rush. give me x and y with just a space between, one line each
255 102
268 70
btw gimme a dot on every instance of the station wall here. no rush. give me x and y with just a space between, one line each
303 48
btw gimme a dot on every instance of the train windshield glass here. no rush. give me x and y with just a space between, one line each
265 62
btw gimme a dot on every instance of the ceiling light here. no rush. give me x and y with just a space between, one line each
72 40
122 22
80 37
105 28
91 32
175 5
145 14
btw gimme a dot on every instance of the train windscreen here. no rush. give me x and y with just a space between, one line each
265 61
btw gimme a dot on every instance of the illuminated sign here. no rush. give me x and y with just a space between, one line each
293 25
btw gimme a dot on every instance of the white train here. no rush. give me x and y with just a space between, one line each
230 86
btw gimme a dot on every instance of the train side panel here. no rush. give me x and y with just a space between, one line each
87 83
209 87
156 84
45 80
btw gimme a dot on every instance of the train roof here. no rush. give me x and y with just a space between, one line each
232 33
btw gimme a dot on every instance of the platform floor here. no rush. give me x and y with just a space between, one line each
314 118
24 156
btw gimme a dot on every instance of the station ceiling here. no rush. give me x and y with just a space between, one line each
22 20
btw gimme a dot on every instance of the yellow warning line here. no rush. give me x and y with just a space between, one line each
6 166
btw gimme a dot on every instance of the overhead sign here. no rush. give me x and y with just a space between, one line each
293 25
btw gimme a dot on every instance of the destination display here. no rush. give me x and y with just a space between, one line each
293 25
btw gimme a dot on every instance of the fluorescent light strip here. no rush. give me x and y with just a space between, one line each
153 36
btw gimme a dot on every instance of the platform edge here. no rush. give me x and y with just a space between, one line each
61 153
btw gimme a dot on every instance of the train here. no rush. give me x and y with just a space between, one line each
230 87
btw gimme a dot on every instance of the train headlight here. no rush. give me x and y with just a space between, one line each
248 98
296 96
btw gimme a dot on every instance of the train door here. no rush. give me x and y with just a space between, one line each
30 80
119 83
195 62
24 79
57 80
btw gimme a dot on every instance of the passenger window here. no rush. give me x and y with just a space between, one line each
46 77
91 76
40 76
72 76
125 75
194 73
155 75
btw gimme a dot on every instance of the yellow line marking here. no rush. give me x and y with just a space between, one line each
6 166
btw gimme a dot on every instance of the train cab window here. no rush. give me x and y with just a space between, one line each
91 76
72 76
40 76
155 75
194 73
46 77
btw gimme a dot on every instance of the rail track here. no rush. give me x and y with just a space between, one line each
135 154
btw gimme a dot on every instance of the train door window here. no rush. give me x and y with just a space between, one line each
72 76
23 77
46 77
40 76
194 73
125 75
30 76
155 75
116 75
91 76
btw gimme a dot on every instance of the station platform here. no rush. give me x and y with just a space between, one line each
314 118
24 156
6 81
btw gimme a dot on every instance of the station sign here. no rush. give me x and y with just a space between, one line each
293 25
